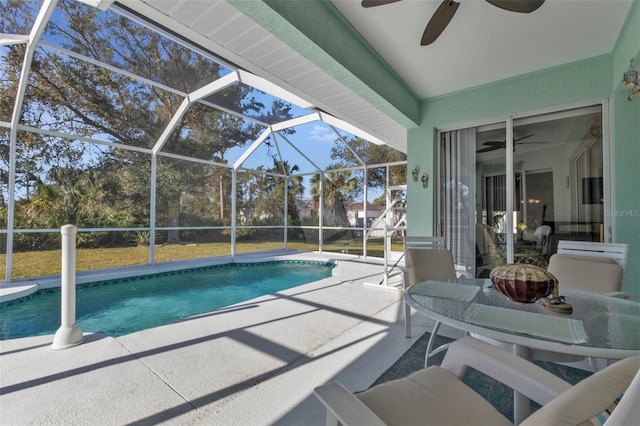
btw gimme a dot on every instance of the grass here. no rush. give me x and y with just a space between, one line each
48 262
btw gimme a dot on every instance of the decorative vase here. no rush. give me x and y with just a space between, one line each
523 283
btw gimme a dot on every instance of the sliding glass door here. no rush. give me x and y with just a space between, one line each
509 191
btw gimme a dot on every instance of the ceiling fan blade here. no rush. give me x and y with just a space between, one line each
374 3
491 148
521 6
499 144
439 21
524 137
529 143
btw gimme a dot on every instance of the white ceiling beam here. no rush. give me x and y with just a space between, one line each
112 68
275 141
182 110
74 138
210 88
213 87
252 148
193 160
300 152
346 144
310 118
99 4
8 39
46 10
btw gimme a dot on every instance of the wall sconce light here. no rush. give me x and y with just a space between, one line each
425 180
415 172
631 79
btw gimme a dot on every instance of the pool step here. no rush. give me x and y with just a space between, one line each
14 291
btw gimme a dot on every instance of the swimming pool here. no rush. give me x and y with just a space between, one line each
123 306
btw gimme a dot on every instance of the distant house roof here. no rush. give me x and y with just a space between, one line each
370 207
303 202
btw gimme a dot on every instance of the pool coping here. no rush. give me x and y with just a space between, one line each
26 287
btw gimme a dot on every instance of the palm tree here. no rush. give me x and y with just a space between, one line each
270 198
338 192
72 197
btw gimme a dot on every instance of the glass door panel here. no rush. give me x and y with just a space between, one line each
560 156
492 207
553 188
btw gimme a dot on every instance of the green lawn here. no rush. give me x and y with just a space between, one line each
47 262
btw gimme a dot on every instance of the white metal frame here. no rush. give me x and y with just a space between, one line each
237 75
508 120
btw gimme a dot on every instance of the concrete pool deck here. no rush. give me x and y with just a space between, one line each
253 363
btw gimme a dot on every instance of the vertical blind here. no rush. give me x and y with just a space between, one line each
458 195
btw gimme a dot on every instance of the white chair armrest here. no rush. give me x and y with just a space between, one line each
519 374
344 407
628 410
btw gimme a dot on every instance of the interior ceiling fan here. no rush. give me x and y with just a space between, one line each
447 9
494 145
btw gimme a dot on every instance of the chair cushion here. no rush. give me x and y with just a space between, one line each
432 396
588 274
582 404
601 418
429 264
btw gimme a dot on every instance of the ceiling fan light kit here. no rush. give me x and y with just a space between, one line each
448 8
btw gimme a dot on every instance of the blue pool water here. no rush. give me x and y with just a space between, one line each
127 305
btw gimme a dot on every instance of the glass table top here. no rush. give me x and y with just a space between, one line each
597 321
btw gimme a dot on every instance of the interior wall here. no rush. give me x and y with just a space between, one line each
555 160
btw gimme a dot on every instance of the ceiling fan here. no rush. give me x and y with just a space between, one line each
494 145
447 9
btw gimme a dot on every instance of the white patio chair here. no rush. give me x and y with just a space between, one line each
586 266
425 261
437 395
587 273
619 252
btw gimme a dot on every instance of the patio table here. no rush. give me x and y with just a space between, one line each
599 326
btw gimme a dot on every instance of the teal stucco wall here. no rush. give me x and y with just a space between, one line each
625 129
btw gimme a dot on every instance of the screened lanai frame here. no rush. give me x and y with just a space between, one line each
275 132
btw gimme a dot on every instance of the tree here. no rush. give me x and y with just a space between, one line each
72 197
372 154
76 97
270 201
339 190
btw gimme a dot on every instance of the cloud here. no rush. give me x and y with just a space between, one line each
322 134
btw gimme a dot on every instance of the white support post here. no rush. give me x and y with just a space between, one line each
521 404
69 334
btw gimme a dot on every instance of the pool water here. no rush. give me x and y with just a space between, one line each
119 307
